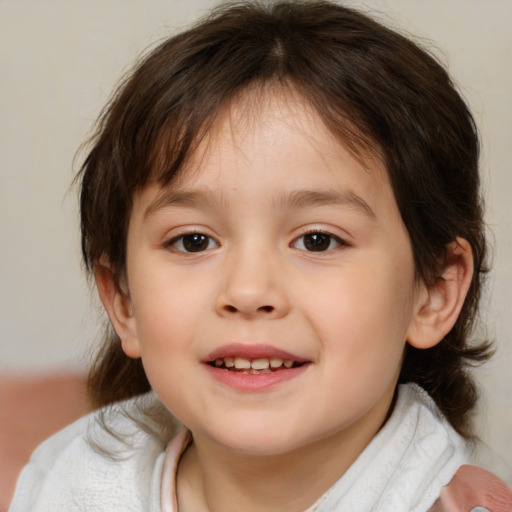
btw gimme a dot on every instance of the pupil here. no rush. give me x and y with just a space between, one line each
317 242
195 242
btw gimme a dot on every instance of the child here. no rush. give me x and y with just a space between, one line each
281 211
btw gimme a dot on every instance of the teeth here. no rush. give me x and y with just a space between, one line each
260 364
241 363
263 363
276 362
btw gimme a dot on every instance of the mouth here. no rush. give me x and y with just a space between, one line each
253 368
257 366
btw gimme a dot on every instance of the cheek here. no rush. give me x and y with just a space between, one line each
165 321
166 310
363 315
167 330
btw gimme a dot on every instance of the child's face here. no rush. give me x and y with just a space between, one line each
274 244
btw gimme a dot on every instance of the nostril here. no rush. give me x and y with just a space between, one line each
232 309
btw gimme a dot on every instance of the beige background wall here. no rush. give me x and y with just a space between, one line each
59 60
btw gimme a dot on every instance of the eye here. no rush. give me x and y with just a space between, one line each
192 242
318 241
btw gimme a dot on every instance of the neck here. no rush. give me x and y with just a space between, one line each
212 479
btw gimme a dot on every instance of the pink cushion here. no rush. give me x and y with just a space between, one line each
33 407
474 489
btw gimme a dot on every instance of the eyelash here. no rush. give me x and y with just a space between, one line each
181 238
339 241
325 237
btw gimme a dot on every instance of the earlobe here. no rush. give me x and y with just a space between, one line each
118 305
437 307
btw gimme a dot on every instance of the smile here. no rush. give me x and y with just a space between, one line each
250 367
260 365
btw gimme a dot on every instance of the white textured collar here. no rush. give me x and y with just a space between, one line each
402 469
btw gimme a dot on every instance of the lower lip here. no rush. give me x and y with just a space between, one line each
255 382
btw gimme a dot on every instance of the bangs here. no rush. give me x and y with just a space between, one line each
184 132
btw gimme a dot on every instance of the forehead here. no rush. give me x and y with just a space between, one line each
255 124
275 147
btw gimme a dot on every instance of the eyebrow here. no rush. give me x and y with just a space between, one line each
183 198
295 199
311 198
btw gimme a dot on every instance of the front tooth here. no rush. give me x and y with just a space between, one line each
288 364
260 364
276 362
241 363
229 362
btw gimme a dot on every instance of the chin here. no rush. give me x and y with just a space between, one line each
259 440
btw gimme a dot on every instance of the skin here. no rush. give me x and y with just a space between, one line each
257 188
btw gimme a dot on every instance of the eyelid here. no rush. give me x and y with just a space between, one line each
170 242
341 241
324 231
181 231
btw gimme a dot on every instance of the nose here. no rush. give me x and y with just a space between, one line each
253 287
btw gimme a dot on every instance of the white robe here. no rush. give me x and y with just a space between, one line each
402 470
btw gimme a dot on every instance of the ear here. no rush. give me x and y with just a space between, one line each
437 307
118 305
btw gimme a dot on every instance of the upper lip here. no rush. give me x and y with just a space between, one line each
252 351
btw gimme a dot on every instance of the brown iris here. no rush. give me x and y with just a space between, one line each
195 242
317 241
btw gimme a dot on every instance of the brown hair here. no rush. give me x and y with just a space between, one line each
375 89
